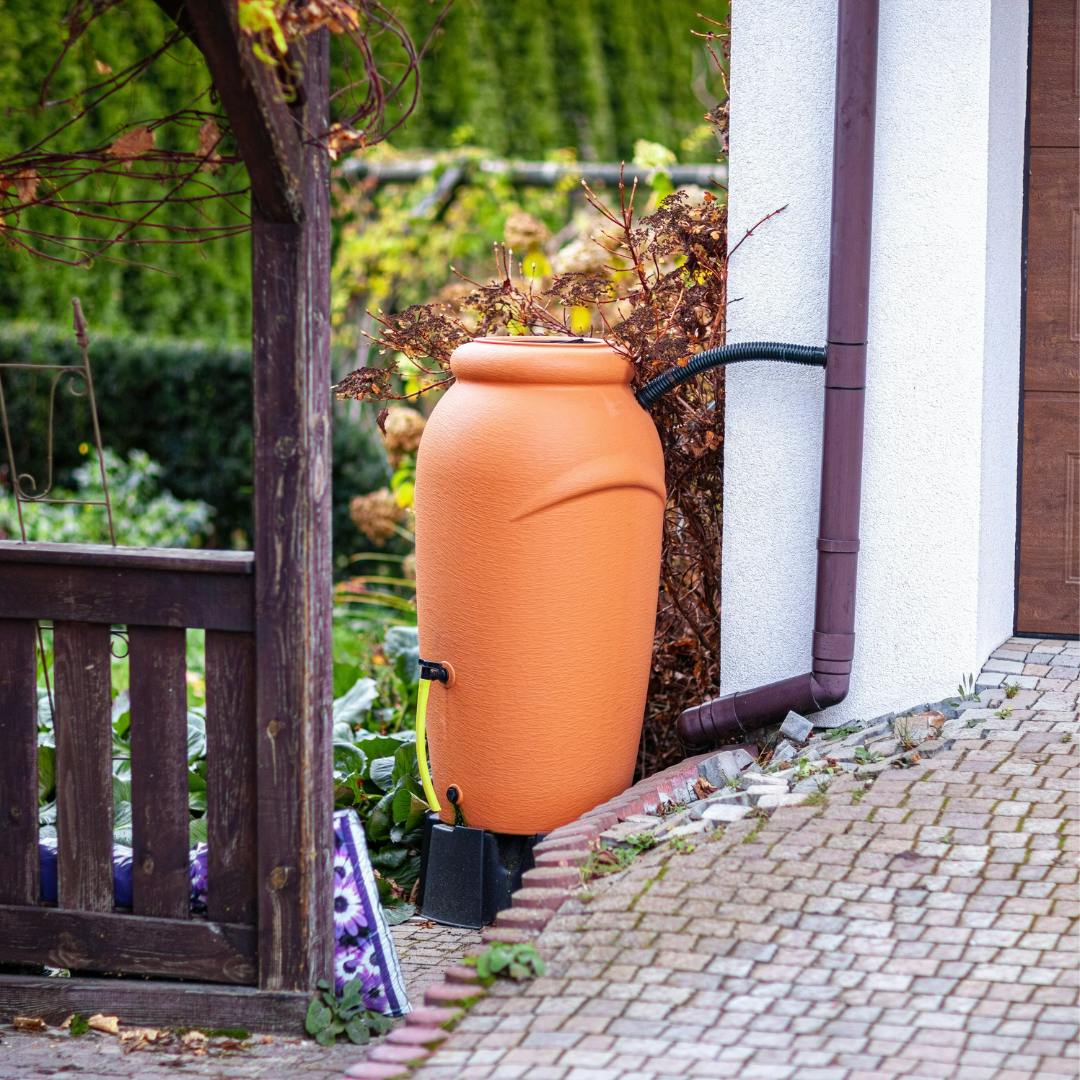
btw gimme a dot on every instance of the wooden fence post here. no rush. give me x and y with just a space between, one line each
291 380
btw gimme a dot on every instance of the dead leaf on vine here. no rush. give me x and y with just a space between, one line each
101 67
381 419
132 144
341 138
209 137
108 1024
364 384
26 184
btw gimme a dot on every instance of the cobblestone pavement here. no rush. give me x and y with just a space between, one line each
921 922
423 948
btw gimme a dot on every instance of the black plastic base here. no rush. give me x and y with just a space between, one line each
467 875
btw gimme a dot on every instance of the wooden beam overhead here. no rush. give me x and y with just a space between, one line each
265 131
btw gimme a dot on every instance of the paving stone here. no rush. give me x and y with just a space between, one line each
796 728
726 798
725 766
781 798
721 813
784 751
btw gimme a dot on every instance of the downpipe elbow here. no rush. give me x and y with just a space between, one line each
736 716
829 689
708 724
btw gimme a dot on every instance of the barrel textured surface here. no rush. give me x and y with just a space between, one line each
539 513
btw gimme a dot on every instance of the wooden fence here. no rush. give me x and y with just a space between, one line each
268 938
85 591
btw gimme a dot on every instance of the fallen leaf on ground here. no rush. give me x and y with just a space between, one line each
194 1041
138 1038
28 1023
702 787
108 1024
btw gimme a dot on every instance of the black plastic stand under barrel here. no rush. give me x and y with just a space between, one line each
468 875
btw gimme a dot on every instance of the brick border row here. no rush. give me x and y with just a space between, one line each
544 889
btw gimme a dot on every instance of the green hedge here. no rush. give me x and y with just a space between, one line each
187 404
528 76
521 77
169 290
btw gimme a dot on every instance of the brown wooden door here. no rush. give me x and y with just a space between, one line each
1048 587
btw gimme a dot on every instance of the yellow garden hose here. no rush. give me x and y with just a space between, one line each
421 744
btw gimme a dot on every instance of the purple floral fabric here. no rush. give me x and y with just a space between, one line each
363 946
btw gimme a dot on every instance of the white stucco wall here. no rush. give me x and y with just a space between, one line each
938 513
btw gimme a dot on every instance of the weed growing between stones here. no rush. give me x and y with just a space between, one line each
520 962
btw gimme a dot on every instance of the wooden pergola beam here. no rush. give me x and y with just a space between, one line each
290 244
262 122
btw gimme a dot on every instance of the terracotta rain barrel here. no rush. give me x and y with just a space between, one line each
539 511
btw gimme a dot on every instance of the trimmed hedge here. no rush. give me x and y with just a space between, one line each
520 77
187 404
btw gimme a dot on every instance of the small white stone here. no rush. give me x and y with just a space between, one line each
784 752
796 728
725 812
767 802
743 759
766 789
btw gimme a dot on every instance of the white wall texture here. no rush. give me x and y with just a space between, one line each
939 479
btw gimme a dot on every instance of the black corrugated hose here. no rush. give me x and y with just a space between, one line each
807 355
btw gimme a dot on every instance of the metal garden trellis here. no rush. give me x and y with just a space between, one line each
268 936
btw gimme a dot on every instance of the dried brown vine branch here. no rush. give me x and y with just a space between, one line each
181 151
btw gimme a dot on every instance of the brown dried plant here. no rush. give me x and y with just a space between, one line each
660 297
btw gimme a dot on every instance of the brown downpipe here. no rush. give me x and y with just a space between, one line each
833 648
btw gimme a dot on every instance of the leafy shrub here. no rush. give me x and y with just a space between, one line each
145 516
375 767
329 1016
186 404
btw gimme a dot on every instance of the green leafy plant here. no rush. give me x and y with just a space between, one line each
682 846
329 1016
520 962
1011 690
841 732
858 795
145 515
159 395
1004 713
966 690
607 861
865 756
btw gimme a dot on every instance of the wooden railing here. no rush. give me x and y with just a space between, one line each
86 592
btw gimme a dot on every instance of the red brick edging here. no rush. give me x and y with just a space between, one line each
552 881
